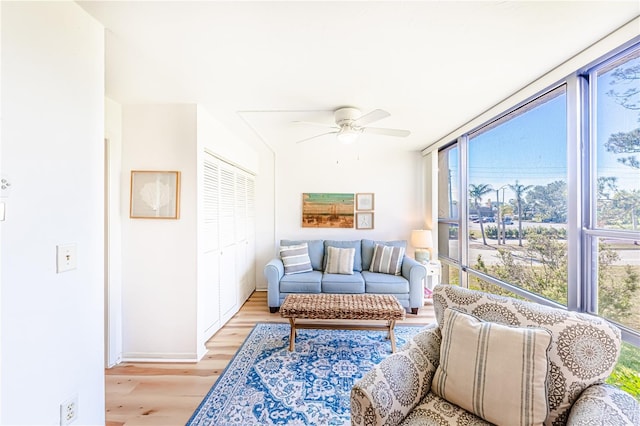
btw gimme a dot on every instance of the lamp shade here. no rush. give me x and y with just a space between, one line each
421 238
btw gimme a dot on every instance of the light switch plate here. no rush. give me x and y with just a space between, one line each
66 256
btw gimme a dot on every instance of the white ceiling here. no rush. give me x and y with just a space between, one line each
257 66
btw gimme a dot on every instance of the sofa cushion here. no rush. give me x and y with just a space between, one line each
495 371
357 259
384 283
308 282
339 260
295 259
368 246
584 348
339 283
387 259
316 251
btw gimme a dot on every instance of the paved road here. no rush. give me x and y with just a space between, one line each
490 254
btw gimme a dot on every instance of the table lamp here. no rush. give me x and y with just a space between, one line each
422 241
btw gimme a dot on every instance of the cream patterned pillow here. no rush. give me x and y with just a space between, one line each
295 259
387 259
340 260
495 371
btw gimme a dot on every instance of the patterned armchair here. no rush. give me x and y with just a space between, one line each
580 352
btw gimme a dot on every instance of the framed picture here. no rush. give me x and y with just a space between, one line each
364 201
327 210
364 220
155 195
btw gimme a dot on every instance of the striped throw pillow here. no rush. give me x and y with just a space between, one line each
295 259
495 371
340 260
387 259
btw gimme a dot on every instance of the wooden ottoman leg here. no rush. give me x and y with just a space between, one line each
292 334
392 336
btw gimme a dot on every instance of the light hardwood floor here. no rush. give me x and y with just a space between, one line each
167 394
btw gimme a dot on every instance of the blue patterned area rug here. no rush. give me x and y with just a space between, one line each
265 384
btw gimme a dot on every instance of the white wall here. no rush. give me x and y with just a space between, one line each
160 275
213 136
113 258
52 325
392 174
159 256
265 210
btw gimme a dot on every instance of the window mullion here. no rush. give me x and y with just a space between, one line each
463 251
575 157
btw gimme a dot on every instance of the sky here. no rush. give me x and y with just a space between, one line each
614 118
532 146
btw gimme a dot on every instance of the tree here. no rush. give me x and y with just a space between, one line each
519 190
626 77
626 93
542 269
549 201
615 295
617 207
476 192
621 143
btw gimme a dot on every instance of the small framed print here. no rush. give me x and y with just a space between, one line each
155 195
364 201
364 220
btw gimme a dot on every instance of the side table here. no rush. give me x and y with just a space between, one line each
434 272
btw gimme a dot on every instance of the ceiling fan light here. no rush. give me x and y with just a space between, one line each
347 136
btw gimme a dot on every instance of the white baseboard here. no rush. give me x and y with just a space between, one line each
159 357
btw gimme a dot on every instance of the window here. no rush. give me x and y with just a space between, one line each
544 205
448 202
543 202
517 192
449 213
612 232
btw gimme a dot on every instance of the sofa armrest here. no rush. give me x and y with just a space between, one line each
415 273
604 404
390 391
273 272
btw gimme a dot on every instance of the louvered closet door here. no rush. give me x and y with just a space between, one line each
251 234
245 252
210 288
241 207
211 185
241 233
228 280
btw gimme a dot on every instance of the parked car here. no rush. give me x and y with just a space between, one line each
484 219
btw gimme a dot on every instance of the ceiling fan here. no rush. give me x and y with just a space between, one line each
350 123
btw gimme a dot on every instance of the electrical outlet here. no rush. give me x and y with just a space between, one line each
69 411
66 257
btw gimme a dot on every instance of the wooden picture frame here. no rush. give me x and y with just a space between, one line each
364 220
364 201
155 194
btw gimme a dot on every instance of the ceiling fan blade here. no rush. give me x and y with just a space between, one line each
387 132
375 115
317 136
313 123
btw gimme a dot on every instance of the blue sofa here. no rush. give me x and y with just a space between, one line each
407 287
